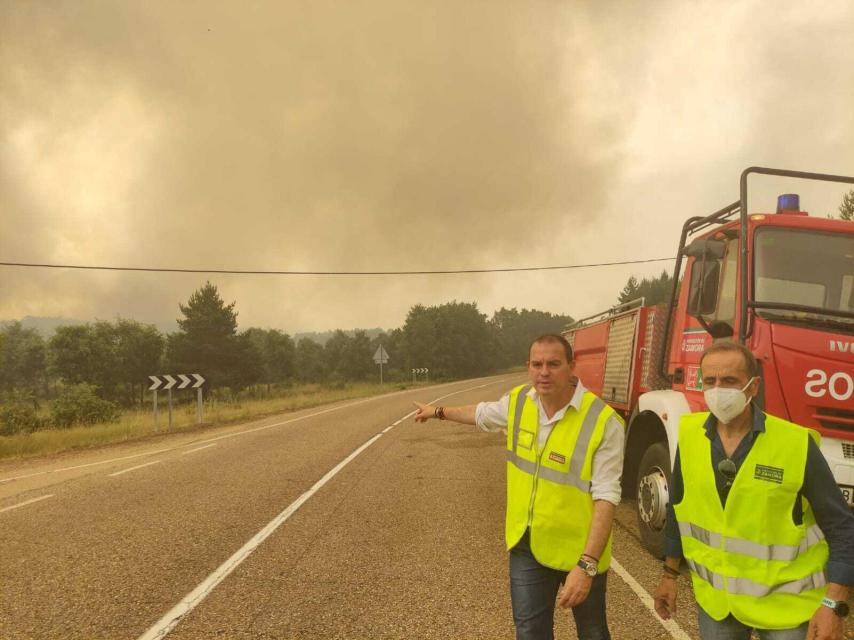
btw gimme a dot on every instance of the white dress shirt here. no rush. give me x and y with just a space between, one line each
607 459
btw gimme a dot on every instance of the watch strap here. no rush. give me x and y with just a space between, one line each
588 567
839 607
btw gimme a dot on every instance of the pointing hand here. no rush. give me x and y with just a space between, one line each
423 412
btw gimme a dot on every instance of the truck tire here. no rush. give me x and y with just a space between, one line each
653 496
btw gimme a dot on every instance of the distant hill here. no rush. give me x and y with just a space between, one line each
321 337
47 326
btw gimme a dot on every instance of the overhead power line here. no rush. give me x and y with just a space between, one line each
323 273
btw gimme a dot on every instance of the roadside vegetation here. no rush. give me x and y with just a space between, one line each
87 384
135 423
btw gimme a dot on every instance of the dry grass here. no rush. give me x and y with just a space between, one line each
136 424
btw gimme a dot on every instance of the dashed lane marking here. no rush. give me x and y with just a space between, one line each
90 464
26 502
139 466
207 446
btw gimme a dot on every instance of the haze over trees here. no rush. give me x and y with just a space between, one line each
22 359
86 372
846 208
652 290
515 329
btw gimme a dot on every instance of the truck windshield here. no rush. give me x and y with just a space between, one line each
810 272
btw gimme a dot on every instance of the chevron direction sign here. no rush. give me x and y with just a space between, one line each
418 370
166 382
163 382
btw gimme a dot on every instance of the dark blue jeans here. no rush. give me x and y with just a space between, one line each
533 592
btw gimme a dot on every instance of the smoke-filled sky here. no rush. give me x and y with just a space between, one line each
394 135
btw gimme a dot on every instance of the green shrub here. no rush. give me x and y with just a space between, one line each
78 404
336 382
18 413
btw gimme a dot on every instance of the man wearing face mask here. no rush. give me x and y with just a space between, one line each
757 516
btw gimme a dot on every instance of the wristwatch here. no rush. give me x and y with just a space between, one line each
839 607
588 567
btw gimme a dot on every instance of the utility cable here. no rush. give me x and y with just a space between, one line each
324 273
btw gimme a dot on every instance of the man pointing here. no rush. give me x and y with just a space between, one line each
564 459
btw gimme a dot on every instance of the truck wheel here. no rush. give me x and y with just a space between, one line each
653 496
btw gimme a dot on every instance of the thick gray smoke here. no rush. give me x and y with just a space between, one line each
382 135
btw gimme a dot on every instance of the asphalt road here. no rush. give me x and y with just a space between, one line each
346 521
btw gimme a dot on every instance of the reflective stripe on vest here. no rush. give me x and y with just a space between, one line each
749 558
784 552
548 479
745 587
572 476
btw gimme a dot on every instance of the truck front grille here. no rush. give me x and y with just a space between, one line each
842 419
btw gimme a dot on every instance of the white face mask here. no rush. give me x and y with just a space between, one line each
726 404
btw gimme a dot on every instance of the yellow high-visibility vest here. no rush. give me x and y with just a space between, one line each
750 559
548 490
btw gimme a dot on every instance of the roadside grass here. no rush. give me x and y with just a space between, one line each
139 423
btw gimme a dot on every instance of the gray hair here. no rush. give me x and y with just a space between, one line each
751 364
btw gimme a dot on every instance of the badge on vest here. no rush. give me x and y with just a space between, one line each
556 457
769 474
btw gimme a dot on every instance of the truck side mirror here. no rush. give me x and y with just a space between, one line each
705 275
706 247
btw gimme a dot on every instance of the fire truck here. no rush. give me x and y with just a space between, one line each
781 283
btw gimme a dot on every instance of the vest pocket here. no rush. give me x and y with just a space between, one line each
526 439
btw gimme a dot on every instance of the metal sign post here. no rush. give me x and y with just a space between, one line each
199 404
170 382
167 382
155 384
381 358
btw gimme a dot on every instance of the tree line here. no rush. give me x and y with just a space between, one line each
101 366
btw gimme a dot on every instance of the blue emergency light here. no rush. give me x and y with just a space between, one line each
788 202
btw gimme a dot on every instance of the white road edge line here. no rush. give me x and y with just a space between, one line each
671 626
26 502
212 444
139 466
164 626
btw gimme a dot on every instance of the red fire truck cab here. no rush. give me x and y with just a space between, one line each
781 283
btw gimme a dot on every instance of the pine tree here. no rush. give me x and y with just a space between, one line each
630 291
207 342
846 209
